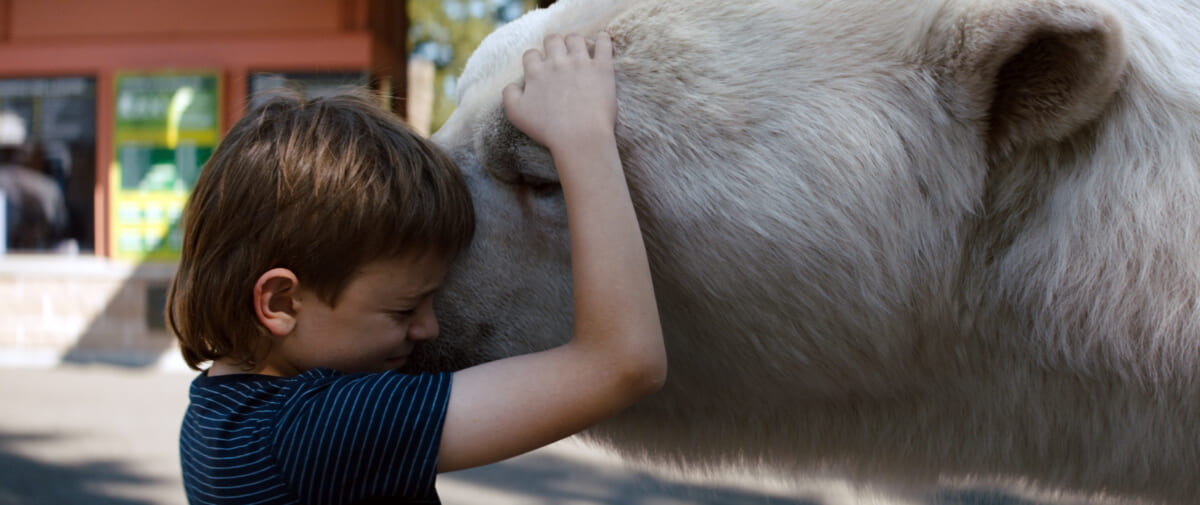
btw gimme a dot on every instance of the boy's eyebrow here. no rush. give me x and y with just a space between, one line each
422 294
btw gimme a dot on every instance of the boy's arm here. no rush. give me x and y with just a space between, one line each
615 356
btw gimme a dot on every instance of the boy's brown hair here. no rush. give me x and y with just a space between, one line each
319 186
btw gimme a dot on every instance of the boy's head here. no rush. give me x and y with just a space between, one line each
320 187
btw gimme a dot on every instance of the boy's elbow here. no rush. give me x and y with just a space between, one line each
645 374
653 379
629 370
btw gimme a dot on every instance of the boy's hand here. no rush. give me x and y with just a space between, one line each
569 96
616 354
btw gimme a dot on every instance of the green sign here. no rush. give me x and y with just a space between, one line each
167 125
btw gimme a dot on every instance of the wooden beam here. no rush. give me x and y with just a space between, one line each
346 51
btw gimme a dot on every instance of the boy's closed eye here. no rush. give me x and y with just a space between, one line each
402 314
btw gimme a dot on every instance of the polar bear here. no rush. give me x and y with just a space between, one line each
901 242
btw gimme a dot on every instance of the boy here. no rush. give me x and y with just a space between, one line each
314 241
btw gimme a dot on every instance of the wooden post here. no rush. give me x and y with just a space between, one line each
5 19
105 124
235 96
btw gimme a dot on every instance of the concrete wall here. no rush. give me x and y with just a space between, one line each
83 309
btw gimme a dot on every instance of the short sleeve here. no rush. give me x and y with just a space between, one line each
351 438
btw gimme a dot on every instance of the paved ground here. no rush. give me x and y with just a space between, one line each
105 435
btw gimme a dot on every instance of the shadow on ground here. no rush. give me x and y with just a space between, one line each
547 479
26 481
537 479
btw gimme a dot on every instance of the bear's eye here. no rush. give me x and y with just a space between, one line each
540 186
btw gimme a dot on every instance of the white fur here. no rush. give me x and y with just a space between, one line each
880 251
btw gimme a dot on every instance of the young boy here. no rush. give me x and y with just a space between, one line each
315 239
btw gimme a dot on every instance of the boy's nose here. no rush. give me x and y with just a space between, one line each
424 329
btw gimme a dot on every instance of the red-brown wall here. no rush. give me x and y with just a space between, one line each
148 19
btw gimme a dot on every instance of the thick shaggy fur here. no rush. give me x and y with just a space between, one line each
903 242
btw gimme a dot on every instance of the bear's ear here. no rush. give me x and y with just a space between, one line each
1037 69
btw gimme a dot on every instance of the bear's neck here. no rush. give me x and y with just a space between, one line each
1027 428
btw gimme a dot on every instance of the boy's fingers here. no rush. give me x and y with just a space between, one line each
511 95
603 47
532 59
576 44
555 46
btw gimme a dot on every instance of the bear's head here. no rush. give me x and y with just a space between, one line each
807 176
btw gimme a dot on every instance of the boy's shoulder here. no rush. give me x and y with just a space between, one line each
253 384
329 386
204 380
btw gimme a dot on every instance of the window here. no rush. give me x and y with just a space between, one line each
47 163
166 125
310 83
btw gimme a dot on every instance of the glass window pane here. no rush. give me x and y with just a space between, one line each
47 163
166 126
312 84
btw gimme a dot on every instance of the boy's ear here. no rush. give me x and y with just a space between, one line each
275 301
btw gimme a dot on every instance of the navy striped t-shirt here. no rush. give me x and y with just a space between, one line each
319 437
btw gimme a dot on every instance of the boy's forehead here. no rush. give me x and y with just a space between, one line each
420 272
